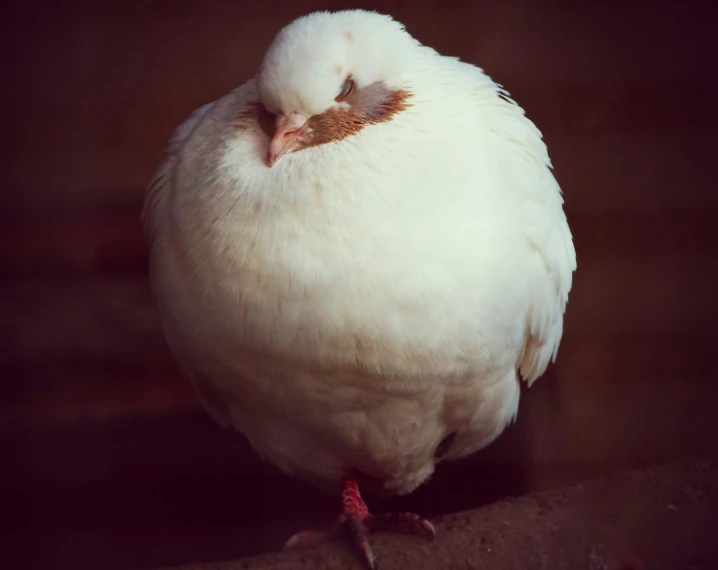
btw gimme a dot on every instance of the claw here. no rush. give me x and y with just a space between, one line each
306 539
370 558
428 528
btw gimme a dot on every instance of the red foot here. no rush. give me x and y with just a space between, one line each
357 519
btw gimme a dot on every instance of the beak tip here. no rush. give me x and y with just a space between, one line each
285 139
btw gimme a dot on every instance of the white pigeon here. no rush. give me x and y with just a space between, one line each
356 256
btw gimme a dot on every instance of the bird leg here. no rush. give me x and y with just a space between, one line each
359 522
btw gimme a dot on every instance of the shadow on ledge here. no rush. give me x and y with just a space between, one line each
662 518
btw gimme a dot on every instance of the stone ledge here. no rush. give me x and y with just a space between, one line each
661 518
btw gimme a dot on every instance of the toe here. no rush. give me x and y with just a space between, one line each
402 522
360 534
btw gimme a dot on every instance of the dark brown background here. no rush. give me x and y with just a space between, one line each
109 462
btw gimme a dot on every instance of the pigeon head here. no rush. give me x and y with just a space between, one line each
329 75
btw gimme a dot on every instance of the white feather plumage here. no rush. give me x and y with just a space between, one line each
361 300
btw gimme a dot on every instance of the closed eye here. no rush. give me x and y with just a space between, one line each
347 90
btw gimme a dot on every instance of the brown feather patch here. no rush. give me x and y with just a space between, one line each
369 105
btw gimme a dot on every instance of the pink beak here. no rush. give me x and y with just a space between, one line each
286 136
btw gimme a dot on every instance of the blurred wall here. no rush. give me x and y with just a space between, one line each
108 450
